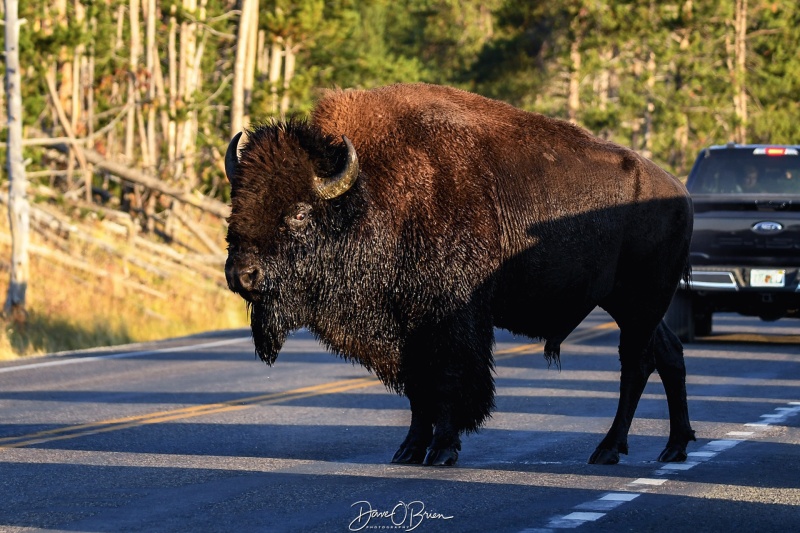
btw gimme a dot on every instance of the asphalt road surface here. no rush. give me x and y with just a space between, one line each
196 435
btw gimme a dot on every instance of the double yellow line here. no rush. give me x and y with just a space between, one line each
525 349
71 432
105 426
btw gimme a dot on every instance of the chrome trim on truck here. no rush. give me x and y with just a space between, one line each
711 280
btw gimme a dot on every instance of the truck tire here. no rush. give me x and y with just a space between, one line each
680 317
702 324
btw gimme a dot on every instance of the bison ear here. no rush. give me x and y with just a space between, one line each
329 188
232 157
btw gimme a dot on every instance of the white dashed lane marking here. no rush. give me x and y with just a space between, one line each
595 509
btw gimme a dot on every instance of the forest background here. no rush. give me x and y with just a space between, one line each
129 104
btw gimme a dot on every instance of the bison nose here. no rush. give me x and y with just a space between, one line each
244 279
250 278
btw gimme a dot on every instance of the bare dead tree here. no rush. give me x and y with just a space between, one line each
575 58
740 71
245 58
18 206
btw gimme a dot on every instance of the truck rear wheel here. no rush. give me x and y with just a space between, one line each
702 324
680 317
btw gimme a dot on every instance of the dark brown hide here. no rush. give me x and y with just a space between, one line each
467 214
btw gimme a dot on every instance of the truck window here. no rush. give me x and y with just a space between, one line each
742 172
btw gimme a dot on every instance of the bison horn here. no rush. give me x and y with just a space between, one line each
329 188
232 157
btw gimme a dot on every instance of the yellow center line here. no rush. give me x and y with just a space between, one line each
115 424
525 349
104 426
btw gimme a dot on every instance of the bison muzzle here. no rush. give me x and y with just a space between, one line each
401 225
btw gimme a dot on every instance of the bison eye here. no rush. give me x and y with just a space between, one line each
298 216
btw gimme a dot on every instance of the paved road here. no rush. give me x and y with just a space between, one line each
195 435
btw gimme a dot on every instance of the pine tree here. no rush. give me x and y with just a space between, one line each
774 72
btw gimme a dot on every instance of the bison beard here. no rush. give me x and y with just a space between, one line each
401 225
268 335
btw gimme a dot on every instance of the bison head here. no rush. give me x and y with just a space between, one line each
286 186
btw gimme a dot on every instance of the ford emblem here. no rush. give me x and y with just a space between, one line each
767 226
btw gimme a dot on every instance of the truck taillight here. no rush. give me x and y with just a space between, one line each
775 151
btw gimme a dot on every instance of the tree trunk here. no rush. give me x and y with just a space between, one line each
573 99
172 62
187 84
151 63
244 64
275 64
740 72
18 207
288 74
603 81
62 63
76 150
112 148
194 88
130 124
650 107
262 64
250 63
79 66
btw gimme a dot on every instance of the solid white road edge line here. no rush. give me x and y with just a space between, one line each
123 355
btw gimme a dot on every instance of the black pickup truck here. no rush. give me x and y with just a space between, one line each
745 252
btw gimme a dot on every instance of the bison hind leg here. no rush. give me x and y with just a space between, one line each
673 454
604 456
672 371
637 362
640 355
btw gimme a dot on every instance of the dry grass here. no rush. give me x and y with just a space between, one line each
69 308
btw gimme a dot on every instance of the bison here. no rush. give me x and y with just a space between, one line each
402 224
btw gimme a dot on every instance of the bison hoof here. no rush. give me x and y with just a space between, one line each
672 454
443 457
409 455
602 456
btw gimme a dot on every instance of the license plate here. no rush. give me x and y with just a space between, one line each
767 278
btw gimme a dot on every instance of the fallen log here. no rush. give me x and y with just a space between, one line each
197 231
83 266
197 200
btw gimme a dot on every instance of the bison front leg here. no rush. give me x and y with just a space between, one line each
444 447
415 446
433 438
466 399
448 379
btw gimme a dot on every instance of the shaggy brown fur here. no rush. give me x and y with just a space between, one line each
467 214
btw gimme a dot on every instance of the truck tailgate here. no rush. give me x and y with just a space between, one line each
758 232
